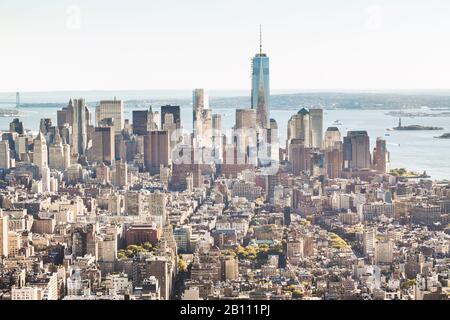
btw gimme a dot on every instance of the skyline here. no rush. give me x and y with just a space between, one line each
116 47
201 178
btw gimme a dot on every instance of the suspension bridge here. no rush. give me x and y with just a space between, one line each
8 99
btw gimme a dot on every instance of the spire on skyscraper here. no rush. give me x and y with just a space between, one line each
260 39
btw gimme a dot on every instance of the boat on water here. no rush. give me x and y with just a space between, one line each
337 123
9 114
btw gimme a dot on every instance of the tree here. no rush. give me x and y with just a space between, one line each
182 265
147 246
297 294
121 255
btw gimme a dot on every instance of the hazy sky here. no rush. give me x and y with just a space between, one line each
168 44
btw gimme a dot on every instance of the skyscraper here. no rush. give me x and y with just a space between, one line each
103 145
199 103
299 127
380 156
5 160
154 119
357 150
4 229
16 126
172 128
245 118
157 208
334 160
245 136
112 109
217 137
140 122
79 114
369 240
56 153
120 174
332 135
45 125
175 111
202 119
316 116
260 86
299 156
272 141
156 150
40 155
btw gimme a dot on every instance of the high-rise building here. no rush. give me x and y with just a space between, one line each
245 136
56 153
5 160
182 237
40 155
299 127
120 149
334 160
21 147
245 118
369 238
273 144
260 87
62 116
66 155
381 156
307 125
272 180
384 252
332 135
175 111
299 156
45 125
357 150
120 174
157 208
14 243
154 119
134 203
172 128
80 116
229 268
102 173
217 138
16 126
103 145
156 151
4 230
45 179
202 119
110 109
316 116
140 122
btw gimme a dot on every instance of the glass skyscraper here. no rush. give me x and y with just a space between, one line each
261 88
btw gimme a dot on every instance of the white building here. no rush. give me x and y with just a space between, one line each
24 293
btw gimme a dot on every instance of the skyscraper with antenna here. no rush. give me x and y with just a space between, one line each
260 85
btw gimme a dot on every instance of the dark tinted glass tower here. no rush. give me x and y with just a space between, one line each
140 122
175 111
